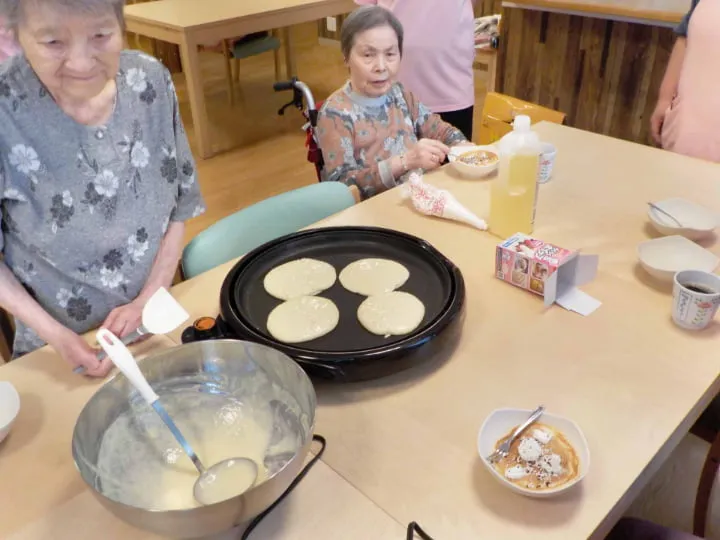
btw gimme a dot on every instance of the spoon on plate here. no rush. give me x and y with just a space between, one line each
224 480
666 213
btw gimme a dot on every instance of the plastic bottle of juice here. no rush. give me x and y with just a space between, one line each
513 193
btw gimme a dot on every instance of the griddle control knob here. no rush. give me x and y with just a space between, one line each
205 328
202 329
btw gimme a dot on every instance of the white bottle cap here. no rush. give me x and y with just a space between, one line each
521 123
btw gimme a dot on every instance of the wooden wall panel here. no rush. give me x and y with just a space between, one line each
487 7
605 75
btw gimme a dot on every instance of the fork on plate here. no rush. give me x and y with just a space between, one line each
504 448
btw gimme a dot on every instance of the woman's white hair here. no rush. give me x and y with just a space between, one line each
14 10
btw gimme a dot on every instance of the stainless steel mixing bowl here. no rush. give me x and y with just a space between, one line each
208 366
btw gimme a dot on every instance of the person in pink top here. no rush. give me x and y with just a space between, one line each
438 55
687 117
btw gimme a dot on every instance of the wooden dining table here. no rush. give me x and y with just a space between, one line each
189 23
403 448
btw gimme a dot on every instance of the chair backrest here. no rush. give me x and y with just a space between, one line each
500 110
251 227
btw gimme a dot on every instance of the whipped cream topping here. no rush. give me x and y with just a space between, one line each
535 460
542 436
551 464
529 449
516 472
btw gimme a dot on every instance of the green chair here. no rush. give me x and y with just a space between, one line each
272 218
245 47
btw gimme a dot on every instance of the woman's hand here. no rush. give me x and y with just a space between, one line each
124 319
77 352
427 154
658 119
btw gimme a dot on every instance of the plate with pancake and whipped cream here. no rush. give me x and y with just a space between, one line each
548 458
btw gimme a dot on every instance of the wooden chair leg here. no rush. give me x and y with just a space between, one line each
6 336
705 486
236 70
290 67
228 71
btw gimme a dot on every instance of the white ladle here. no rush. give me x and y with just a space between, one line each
161 315
224 480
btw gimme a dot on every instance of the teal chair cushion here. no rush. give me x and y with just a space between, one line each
272 218
254 47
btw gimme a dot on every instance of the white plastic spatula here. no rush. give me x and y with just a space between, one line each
162 314
224 480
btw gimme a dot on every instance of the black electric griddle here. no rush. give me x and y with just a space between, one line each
349 352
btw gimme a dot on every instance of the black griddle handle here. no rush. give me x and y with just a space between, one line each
336 373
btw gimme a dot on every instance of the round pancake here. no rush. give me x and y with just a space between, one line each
373 276
391 314
303 319
301 277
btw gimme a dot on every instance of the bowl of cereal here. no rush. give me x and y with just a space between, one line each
548 458
474 161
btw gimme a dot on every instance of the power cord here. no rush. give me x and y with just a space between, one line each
414 529
255 522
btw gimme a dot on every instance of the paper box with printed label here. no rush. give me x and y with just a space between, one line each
547 270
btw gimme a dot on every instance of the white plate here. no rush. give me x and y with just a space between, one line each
697 220
9 407
663 257
502 421
472 171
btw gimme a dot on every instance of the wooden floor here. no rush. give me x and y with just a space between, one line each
266 153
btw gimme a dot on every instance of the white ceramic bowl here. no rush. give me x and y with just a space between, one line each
472 171
697 220
663 257
9 407
502 421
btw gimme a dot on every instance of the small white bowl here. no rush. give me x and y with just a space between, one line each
502 421
9 407
697 220
472 171
663 257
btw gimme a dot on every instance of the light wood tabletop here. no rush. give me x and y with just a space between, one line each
661 11
44 497
189 23
633 381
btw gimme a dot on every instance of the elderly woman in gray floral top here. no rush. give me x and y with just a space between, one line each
96 177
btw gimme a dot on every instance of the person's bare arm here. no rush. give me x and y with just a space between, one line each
668 88
166 261
127 318
15 299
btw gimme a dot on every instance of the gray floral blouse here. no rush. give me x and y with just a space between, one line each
84 209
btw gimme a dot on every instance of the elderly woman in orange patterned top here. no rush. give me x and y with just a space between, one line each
372 131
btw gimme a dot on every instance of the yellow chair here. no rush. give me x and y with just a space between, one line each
500 110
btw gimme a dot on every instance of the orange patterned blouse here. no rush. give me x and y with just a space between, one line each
358 135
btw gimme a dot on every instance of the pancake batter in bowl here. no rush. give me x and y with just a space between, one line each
141 464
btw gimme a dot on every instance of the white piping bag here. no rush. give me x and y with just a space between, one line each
433 201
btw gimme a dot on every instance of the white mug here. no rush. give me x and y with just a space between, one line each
547 161
696 297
